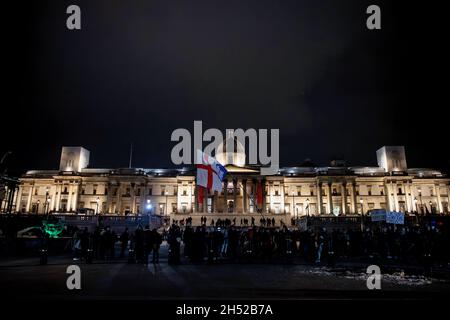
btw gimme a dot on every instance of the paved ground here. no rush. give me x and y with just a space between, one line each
25 278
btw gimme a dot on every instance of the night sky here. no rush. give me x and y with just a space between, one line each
140 69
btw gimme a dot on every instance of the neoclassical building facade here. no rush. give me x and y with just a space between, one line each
293 192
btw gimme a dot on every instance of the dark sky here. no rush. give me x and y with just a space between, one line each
140 69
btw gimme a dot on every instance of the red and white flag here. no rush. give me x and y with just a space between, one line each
210 173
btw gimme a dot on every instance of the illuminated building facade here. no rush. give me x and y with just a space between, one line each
293 192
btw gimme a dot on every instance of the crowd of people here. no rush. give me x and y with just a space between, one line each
224 240
102 244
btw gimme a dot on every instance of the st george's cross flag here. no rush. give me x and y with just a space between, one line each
210 173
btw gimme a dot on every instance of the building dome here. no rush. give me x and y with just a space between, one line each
235 157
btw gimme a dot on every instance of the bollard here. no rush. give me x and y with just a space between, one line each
43 256
131 257
89 256
331 259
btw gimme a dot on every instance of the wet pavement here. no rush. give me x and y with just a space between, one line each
25 278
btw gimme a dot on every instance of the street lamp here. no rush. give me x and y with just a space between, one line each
37 207
415 204
149 206
431 207
97 201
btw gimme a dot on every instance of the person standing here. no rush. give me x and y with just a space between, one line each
148 243
124 237
157 240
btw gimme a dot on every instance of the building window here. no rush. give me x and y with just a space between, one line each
150 191
106 191
95 191
163 190
138 193
184 192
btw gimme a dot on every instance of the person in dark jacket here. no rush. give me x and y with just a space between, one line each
157 240
124 237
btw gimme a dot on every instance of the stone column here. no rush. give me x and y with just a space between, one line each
319 197
387 192
19 199
264 195
133 198
27 209
330 198
354 205
437 190
75 197
344 197
108 198
205 200
394 188
407 197
190 195
58 197
119 197
53 199
244 195
196 209
69 198
234 195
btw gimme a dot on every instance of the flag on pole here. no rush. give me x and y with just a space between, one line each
200 195
210 173
259 193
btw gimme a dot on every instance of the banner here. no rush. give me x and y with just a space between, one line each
395 217
378 215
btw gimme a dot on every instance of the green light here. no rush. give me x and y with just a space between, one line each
52 229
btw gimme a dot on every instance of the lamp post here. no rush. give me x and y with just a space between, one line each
431 207
415 204
149 206
37 207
